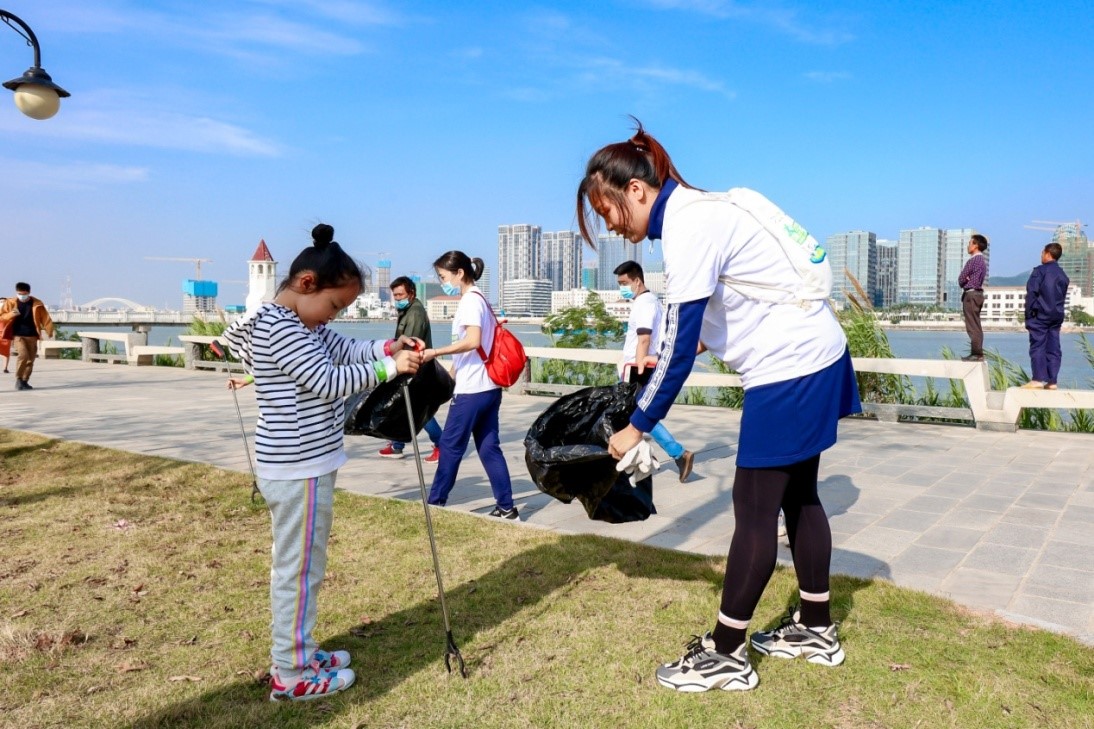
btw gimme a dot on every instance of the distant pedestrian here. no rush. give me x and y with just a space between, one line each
301 370
644 340
730 281
413 322
28 320
972 279
477 399
1046 293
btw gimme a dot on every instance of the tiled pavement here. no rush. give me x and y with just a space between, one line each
1000 522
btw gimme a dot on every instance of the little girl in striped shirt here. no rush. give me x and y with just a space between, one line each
301 370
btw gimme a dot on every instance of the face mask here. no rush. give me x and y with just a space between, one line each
449 289
23 297
402 304
626 293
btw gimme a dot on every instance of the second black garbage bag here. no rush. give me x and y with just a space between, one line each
381 411
566 451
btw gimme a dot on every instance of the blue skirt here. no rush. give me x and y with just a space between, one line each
786 422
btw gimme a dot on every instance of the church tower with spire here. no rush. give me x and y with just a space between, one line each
262 278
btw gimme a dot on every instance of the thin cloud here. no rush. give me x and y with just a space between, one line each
126 121
347 11
783 19
614 71
70 176
827 77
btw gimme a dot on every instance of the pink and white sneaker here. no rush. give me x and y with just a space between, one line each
313 682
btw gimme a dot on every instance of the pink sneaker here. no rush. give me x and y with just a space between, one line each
434 456
314 682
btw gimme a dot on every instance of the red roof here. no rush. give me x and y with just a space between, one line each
262 253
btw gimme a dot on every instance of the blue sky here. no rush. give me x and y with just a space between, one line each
195 129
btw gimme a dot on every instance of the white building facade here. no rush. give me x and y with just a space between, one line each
261 278
1007 304
518 255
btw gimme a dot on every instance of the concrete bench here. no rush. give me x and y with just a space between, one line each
195 346
91 342
52 348
143 354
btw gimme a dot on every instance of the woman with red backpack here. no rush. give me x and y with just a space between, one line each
477 399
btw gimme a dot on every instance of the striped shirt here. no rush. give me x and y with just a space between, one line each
301 376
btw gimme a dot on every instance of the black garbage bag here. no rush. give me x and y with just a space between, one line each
381 411
566 451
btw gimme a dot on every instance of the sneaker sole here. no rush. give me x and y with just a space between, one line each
392 456
827 658
738 683
286 698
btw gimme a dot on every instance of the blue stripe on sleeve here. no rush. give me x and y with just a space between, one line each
682 325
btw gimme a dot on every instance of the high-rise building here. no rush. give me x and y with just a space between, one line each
1076 261
611 250
955 251
518 254
919 269
199 297
885 292
560 259
853 253
261 278
527 297
383 279
588 278
484 283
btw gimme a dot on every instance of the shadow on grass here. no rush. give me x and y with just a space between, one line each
412 639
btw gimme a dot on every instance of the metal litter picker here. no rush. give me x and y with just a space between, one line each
219 352
451 649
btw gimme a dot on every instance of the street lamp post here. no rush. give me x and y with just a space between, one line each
35 93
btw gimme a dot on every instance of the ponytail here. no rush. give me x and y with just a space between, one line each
612 168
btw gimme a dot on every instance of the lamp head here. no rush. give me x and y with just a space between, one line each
35 93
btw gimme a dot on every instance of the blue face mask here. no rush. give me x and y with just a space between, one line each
626 293
450 289
402 304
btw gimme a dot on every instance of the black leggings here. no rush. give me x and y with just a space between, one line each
758 493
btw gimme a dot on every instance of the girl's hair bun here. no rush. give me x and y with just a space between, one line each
322 235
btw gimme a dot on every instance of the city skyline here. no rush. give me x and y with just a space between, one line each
415 128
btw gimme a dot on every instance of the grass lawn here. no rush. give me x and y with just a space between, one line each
134 592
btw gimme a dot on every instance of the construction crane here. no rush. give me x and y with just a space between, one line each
1056 225
196 261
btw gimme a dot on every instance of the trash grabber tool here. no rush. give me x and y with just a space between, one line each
451 649
219 352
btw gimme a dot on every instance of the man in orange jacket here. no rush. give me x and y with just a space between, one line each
23 319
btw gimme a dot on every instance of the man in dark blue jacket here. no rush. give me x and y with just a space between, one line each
1046 292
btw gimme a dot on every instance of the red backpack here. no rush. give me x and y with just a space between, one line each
506 361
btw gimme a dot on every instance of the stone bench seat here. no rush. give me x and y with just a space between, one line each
144 354
52 348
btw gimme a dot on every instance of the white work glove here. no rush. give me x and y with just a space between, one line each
639 462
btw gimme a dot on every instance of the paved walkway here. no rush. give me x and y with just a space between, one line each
1000 522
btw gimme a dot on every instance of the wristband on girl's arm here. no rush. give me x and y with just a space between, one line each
387 347
248 379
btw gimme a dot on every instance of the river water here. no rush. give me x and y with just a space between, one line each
1012 346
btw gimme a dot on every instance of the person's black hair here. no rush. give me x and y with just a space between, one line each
453 261
324 258
408 285
22 286
630 269
980 241
1055 250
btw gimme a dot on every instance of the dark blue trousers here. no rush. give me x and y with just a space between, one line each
472 414
1044 350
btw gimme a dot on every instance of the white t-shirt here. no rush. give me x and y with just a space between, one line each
645 314
706 238
470 371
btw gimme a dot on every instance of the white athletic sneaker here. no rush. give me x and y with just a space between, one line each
703 668
332 659
314 682
792 639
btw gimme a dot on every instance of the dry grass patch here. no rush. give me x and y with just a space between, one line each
134 593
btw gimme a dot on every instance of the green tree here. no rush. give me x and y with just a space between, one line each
1078 315
581 327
